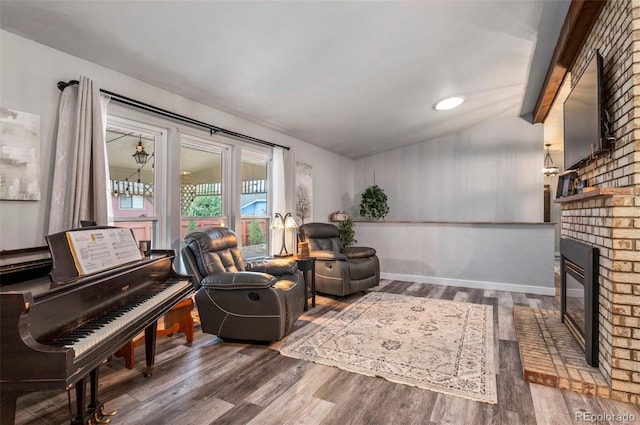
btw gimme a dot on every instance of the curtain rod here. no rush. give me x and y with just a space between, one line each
159 111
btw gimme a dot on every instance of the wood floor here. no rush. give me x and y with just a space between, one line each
215 382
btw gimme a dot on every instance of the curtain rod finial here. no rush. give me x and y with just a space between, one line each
62 85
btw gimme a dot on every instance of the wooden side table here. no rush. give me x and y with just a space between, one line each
308 268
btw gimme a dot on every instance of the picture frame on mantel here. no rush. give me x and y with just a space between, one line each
565 183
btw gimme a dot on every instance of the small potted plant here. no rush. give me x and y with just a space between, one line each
374 203
346 233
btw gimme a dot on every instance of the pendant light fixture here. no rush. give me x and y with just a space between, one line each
549 169
140 155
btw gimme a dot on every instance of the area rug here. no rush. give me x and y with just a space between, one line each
439 345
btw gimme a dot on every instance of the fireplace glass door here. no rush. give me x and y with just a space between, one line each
575 307
579 294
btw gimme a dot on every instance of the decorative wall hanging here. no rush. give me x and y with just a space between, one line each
19 155
304 192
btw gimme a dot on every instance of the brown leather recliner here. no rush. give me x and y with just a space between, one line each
339 270
258 301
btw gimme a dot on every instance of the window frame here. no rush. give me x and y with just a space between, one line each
210 144
260 156
159 218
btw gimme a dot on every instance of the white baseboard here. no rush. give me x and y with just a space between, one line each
476 284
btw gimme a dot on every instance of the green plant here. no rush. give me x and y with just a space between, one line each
346 232
191 226
256 236
374 203
205 206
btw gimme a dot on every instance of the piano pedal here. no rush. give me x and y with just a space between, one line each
103 413
99 420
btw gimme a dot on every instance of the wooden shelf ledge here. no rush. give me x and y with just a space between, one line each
595 193
456 223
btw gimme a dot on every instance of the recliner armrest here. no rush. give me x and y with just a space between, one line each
238 280
275 266
327 255
358 252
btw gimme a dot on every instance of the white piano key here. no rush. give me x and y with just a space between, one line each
113 327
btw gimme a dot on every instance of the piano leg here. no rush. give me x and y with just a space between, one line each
150 347
93 413
82 418
94 405
8 408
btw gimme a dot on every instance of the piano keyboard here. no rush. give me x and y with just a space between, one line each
95 331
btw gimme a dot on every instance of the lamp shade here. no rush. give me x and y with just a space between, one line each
278 222
290 222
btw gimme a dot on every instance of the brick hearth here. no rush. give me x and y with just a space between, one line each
550 355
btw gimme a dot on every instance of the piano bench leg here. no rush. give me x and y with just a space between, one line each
128 352
180 314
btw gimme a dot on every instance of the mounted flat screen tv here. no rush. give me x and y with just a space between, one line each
586 126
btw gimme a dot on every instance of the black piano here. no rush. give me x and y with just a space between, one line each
58 324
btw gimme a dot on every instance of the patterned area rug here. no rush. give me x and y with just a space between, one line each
439 345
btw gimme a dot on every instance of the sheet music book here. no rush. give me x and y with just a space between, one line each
95 250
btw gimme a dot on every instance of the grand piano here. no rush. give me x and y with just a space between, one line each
59 322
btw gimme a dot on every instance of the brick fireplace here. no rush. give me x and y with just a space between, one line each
609 217
612 223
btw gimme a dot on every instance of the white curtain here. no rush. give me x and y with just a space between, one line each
278 196
80 176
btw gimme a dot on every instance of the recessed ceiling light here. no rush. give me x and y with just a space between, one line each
449 103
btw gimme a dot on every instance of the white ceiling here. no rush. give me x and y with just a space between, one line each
349 76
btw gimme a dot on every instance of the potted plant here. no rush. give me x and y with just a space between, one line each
346 232
374 203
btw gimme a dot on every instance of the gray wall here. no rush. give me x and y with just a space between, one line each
465 210
491 172
506 256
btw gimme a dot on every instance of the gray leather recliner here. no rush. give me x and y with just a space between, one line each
339 270
258 301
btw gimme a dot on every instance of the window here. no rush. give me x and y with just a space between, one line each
134 198
132 202
203 192
254 206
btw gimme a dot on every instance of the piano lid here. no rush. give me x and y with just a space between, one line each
14 259
25 269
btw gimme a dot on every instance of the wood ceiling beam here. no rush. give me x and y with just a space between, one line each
580 18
